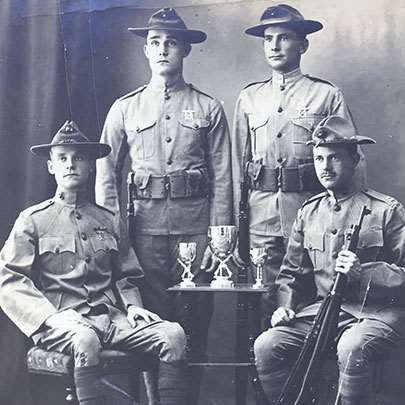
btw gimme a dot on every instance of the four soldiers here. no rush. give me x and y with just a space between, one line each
178 142
68 276
371 322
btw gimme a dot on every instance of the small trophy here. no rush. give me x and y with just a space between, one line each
222 241
258 255
187 253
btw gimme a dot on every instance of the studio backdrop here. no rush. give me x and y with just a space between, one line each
70 59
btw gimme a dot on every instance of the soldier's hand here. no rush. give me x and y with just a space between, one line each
136 313
209 262
282 316
348 263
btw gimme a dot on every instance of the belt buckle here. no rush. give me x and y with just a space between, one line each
166 185
279 177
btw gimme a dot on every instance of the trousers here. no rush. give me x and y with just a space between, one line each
158 254
360 345
84 336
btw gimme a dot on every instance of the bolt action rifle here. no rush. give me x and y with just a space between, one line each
302 385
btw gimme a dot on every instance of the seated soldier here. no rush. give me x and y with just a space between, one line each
68 278
371 321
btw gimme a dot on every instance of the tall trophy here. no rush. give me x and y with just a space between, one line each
258 256
222 241
187 253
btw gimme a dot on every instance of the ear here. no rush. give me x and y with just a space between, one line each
146 51
50 167
187 49
304 46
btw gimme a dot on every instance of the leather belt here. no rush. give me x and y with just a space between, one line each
287 179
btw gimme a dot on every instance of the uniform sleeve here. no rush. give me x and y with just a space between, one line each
128 272
219 167
20 299
384 279
239 141
295 282
109 168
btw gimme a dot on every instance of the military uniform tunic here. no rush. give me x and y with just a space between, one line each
178 131
60 256
316 239
273 121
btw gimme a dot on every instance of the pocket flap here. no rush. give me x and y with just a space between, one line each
258 120
314 241
56 244
140 124
195 123
104 242
371 237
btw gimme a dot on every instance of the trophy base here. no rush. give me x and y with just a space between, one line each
187 283
258 285
222 283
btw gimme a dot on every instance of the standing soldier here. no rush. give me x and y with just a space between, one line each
273 120
178 142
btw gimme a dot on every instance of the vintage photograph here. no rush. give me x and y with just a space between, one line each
202 202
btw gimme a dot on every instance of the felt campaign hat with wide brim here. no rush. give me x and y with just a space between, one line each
286 16
70 135
168 19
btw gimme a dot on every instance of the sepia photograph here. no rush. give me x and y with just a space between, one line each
202 202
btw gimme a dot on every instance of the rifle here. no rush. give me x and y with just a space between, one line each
302 385
131 191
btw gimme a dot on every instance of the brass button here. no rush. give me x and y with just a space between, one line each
337 208
167 117
280 160
279 135
138 129
87 259
280 109
167 97
334 231
57 250
78 215
168 139
196 126
169 161
83 236
282 87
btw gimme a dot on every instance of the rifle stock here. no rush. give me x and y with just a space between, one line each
301 387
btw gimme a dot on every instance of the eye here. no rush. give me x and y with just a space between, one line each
154 42
62 158
268 38
172 43
284 37
318 158
79 158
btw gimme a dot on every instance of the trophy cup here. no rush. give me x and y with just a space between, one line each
187 253
222 241
258 255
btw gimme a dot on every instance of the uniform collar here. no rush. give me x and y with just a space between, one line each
353 189
280 79
159 86
71 199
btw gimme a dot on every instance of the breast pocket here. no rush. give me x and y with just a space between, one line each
258 133
193 133
57 254
314 243
302 128
142 137
370 244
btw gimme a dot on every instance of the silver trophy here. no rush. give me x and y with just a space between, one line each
258 256
187 253
222 241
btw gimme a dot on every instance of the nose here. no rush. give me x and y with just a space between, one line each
275 44
70 163
163 49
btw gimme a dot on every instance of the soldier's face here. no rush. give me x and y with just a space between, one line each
165 52
334 166
70 167
283 48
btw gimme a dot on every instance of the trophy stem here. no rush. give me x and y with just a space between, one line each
259 277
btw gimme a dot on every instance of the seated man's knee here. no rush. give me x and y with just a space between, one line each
174 342
351 349
267 347
86 347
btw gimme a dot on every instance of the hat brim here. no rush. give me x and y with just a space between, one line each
191 36
359 140
93 149
303 27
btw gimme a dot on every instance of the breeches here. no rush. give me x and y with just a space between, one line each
158 255
360 345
